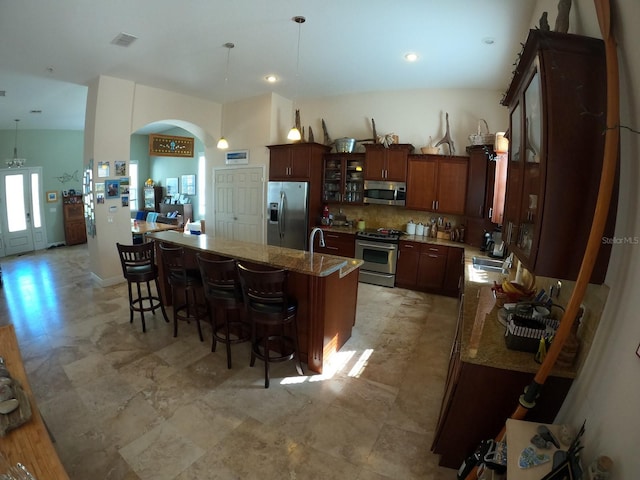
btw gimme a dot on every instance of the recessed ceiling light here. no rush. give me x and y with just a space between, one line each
488 40
271 78
411 57
35 111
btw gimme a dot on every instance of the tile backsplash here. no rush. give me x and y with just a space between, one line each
383 216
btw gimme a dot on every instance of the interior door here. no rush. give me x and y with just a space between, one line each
239 203
22 222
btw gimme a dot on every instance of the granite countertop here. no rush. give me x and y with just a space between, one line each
412 238
482 339
317 264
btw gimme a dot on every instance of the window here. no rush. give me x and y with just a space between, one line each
133 185
202 194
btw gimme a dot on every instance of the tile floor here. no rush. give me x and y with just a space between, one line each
124 405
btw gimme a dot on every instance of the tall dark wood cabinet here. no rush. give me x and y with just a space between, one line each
152 198
480 186
557 103
75 230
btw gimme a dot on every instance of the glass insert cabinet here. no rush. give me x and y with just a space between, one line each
343 178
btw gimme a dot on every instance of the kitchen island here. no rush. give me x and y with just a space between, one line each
325 286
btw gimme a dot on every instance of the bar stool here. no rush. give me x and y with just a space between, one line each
222 290
185 283
272 316
139 266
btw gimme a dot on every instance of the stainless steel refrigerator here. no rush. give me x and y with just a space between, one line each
288 214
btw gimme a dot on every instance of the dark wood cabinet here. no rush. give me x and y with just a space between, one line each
343 178
75 230
184 210
152 198
454 276
386 163
429 267
478 399
336 243
437 183
480 187
300 162
556 101
432 267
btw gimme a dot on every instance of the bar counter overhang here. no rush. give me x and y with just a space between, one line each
325 286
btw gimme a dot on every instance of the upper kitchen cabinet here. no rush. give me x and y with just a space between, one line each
343 178
437 183
299 162
386 163
557 103
480 186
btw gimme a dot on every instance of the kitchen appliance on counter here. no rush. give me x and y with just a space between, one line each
379 250
288 214
385 193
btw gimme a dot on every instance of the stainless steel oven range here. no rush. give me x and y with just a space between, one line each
379 250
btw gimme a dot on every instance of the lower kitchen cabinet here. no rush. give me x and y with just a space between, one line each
336 243
429 267
479 399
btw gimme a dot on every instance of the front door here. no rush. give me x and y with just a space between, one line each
239 203
21 225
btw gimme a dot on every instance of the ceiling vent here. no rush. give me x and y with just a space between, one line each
124 39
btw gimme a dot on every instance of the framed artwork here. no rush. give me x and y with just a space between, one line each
103 169
52 197
188 185
112 188
237 157
172 186
121 168
170 146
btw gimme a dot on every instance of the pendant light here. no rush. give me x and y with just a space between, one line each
222 143
294 133
15 161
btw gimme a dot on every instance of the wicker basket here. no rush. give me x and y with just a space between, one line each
482 138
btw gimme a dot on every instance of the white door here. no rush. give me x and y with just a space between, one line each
239 203
22 225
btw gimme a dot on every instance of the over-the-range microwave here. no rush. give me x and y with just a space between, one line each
385 193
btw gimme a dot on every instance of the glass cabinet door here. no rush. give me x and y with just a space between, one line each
514 176
332 184
531 176
354 186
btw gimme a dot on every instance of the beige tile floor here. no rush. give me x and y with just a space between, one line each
124 405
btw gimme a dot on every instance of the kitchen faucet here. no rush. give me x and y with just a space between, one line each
311 237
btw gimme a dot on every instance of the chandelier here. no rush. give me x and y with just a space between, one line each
15 161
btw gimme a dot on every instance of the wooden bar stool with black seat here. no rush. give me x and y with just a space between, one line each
222 290
272 316
139 267
185 283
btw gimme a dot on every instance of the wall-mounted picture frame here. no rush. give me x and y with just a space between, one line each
103 169
188 185
170 146
172 186
52 197
121 168
112 188
236 157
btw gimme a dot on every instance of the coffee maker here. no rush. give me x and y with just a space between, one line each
493 245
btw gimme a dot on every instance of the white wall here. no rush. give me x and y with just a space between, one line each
607 390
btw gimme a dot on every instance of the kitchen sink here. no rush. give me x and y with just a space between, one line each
489 264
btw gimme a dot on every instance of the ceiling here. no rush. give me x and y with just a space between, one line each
51 50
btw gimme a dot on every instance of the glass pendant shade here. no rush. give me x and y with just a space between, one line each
294 134
222 143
